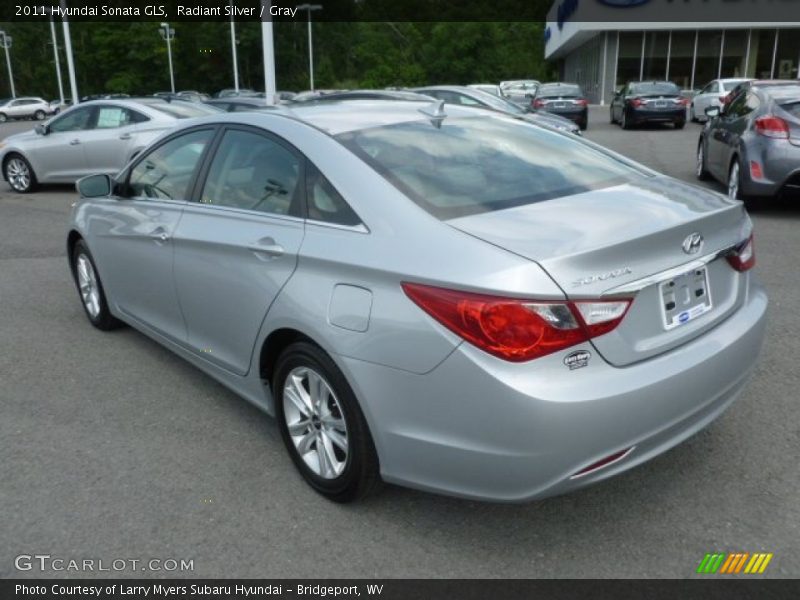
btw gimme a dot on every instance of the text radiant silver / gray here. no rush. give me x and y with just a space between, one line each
400 292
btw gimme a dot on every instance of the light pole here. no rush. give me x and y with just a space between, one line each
233 53
308 8
167 33
55 55
5 41
268 48
68 50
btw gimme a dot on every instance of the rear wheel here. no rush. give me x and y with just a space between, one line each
40 114
625 122
19 174
680 124
3 117
90 288
322 425
700 169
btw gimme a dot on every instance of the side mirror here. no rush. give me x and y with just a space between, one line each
712 111
42 129
94 186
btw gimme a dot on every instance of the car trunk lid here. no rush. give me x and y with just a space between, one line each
598 243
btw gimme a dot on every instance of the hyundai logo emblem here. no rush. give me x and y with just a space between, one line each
693 243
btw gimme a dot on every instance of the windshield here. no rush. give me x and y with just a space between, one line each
548 91
472 165
787 97
655 87
729 85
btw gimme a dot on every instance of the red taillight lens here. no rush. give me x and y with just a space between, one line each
755 170
538 104
684 101
744 257
773 127
581 102
514 329
636 102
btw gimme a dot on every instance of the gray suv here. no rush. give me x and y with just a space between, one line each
25 108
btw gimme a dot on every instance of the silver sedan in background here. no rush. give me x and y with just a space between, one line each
454 300
100 136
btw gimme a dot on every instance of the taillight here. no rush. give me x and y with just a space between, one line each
755 170
743 258
581 102
636 102
538 104
723 99
513 329
684 101
773 127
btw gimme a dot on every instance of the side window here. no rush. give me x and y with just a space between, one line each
74 120
166 172
110 117
253 172
751 102
738 106
136 117
325 203
466 100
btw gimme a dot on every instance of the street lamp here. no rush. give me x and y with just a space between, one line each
5 42
233 53
73 84
167 33
308 8
55 55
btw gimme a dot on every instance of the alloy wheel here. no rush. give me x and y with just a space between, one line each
315 422
733 181
87 283
700 161
18 174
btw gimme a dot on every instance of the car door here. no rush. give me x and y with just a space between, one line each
134 235
237 243
59 155
108 145
726 130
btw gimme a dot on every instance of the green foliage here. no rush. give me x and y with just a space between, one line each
132 57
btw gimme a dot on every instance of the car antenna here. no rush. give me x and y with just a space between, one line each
435 110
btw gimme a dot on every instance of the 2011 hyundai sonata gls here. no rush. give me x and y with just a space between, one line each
461 302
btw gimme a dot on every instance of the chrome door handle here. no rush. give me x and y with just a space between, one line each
125 136
159 236
267 246
74 142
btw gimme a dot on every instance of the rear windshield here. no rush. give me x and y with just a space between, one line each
655 88
787 97
547 91
481 164
183 110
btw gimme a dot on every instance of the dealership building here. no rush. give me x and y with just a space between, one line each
599 45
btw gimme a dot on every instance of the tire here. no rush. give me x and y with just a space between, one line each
692 116
611 119
39 115
340 474
700 168
3 117
19 173
735 179
624 123
90 289
583 125
680 124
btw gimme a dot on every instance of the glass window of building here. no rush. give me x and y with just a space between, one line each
681 60
762 46
656 45
788 54
629 61
709 44
734 53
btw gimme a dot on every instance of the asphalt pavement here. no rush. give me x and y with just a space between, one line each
115 449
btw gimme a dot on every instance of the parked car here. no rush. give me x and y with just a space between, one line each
649 102
31 107
752 144
520 91
243 92
490 88
192 96
712 94
57 105
465 96
99 136
565 100
239 103
449 300
367 95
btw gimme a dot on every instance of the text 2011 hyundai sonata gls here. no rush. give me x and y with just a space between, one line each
463 302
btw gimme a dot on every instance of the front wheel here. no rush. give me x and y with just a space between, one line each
612 120
626 124
40 115
90 288
3 117
735 181
322 425
700 169
19 174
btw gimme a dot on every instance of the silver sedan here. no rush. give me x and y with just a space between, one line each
456 301
94 137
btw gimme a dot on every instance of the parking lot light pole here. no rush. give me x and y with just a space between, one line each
5 41
57 60
167 33
268 48
233 53
70 61
308 8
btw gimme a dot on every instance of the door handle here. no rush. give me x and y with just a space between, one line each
159 236
74 142
267 246
125 136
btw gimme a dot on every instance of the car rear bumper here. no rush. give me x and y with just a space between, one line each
577 116
779 161
657 116
482 428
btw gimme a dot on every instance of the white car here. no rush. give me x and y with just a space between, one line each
25 108
100 136
713 94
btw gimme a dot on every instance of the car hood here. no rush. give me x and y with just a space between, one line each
20 137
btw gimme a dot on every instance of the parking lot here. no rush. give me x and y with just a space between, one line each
114 448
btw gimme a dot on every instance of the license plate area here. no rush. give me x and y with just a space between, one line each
661 104
684 298
560 104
